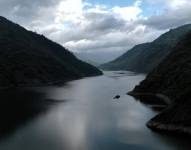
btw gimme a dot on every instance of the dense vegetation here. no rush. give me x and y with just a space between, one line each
27 58
172 78
145 57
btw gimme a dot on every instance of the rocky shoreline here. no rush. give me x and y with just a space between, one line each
171 128
157 123
150 98
172 79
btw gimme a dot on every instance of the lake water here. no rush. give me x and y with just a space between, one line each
86 117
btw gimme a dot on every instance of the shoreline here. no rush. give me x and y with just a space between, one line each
151 98
50 83
157 125
168 128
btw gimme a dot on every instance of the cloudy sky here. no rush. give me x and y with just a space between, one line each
100 29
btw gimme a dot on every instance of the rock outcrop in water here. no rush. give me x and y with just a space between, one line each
145 57
27 58
117 97
172 80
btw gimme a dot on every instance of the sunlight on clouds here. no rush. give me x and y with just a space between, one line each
70 11
82 26
74 11
99 28
178 3
97 9
127 13
138 3
172 4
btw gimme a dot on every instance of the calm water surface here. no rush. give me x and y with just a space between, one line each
88 118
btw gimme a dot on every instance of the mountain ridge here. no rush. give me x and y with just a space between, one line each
27 58
143 58
171 78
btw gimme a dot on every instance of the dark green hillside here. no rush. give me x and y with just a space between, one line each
144 58
172 78
27 58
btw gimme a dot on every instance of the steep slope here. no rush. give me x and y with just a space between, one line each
144 58
172 79
27 58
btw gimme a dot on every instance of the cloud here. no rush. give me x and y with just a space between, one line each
129 13
26 8
70 11
177 13
84 27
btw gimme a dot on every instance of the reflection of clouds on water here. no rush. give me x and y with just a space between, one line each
74 130
91 119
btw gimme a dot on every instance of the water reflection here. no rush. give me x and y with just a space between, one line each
17 106
92 120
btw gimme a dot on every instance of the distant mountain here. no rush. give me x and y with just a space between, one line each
145 57
98 56
86 59
27 58
171 81
91 62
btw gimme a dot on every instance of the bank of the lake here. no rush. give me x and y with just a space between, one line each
88 118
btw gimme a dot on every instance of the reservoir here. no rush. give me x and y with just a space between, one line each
85 116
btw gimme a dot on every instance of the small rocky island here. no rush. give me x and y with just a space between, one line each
117 97
171 79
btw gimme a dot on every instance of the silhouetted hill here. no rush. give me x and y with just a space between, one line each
145 57
172 81
27 58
